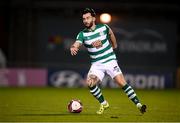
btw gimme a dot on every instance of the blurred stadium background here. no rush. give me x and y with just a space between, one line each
35 36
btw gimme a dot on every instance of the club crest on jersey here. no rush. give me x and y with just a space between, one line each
101 33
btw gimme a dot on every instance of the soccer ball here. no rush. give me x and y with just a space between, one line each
75 106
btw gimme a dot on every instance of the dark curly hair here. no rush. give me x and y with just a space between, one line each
89 10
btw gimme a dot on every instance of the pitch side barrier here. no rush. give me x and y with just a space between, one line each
140 79
18 77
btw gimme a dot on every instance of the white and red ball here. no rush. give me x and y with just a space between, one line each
75 106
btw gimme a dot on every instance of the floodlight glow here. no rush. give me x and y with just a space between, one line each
105 18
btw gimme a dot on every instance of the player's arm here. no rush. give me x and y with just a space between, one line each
112 39
76 45
75 48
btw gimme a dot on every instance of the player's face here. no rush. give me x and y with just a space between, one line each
88 20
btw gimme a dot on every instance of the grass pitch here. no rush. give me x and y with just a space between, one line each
50 105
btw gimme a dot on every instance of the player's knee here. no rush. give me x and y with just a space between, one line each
120 80
90 83
92 80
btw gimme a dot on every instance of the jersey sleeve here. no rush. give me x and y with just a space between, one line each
79 37
107 27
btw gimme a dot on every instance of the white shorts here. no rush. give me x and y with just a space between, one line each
111 68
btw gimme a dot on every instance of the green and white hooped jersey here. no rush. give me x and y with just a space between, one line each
102 54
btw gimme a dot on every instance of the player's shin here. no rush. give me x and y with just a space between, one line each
96 92
131 94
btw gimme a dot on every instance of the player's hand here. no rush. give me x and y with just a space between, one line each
97 44
74 50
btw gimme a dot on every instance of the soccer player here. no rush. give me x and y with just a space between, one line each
100 41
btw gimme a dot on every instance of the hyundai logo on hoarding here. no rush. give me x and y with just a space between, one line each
66 78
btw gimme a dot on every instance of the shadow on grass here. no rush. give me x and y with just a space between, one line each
74 114
58 114
44 114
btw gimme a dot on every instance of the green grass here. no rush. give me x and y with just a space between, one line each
50 104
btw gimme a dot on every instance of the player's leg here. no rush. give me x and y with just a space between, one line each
129 92
95 76
115 72
92 81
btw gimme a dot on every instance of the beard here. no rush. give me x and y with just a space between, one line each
88 25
